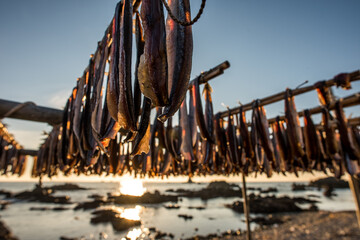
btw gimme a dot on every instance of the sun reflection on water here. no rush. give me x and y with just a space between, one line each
134 234
132 187
131 213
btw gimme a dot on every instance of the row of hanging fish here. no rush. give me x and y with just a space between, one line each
285 146
225 147
106 122
11 161
99 108
171 149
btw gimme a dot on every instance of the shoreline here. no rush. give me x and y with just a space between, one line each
301 226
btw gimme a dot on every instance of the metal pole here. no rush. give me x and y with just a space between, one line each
246 208
355 189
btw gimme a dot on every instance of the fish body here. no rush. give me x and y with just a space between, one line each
282 141
126 118
293 126
346 135
179 47
312 145
245 135
141 143
97 98
153 69
186 148
209 120
263 130
220 136
332 145
192 118
78 104
139 51
113 86
199 115
231 141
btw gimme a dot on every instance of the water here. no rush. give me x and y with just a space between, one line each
215 218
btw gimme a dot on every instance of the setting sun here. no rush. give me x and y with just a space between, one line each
132 187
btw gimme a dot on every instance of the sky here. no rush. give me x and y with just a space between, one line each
45 46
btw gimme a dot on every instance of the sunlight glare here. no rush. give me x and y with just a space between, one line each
131 213
134 234
133 187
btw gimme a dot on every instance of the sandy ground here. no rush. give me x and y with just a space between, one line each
309 225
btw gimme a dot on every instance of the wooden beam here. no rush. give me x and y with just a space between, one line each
31 112
354 76
212 73
53 116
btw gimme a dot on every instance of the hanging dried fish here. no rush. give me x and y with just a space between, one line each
192 118
139 51
263 131
126 117
312 144
347 140
282 142
179 47
186 147
141 142
245 135
153 70
209 120
279 160
220 136
293 126
101 57
113 85
199 112
78 113
329 124
231 141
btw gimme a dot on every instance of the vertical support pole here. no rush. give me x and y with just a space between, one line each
246 208
40 181
355 189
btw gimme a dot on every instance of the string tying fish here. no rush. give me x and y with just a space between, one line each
302 84
183 23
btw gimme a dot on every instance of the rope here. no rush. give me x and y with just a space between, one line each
17 108
183 23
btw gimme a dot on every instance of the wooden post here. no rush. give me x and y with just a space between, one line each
40 181
28 152
246 208
355 189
